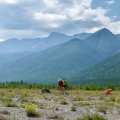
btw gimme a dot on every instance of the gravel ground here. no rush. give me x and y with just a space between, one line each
52 106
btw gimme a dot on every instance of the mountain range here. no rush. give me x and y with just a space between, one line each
55 61
37 44
43 60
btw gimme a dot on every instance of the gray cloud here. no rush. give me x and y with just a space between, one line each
34 18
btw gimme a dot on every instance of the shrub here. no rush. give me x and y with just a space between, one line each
41 105
73 108
90 87
92 117
31 111
56 117
81 104
117 99
112 98
24 100
78 98
102 108
5 112
10 104
64 103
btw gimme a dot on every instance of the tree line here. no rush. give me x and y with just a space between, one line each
25 85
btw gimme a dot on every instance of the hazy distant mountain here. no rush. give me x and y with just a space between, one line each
54 39
6 58
118 36
82 35
36 44
55 56
50 64
32 44
15 45
104 73
105 42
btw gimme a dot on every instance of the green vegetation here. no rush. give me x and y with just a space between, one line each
10 104
81 104
5 112
64 102
117 99
102 108
25 85
73 108
56 117
22 85
31 111
104 73
92 117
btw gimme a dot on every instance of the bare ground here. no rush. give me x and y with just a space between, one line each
71 106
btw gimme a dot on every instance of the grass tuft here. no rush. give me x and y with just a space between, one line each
92 117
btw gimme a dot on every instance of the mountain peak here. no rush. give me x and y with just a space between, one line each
54 34
104 31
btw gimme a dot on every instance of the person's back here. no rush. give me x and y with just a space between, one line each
108 91
61 86
60 82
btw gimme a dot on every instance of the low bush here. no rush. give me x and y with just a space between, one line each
117 99
92 117
78 98
73 108
56 117
10 104
31 111
64 103
5 112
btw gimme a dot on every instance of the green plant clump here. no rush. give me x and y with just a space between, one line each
10 104
92 117
31 111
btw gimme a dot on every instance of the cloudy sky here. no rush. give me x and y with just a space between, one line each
37 18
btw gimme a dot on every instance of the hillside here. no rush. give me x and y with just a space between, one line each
6 58
103 73
105 42
48 65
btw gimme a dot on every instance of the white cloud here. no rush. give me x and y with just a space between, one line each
110 1
9 1
1 40
50 3
94 29
114 27
78 10
69 16
52 20
101 16
7 34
